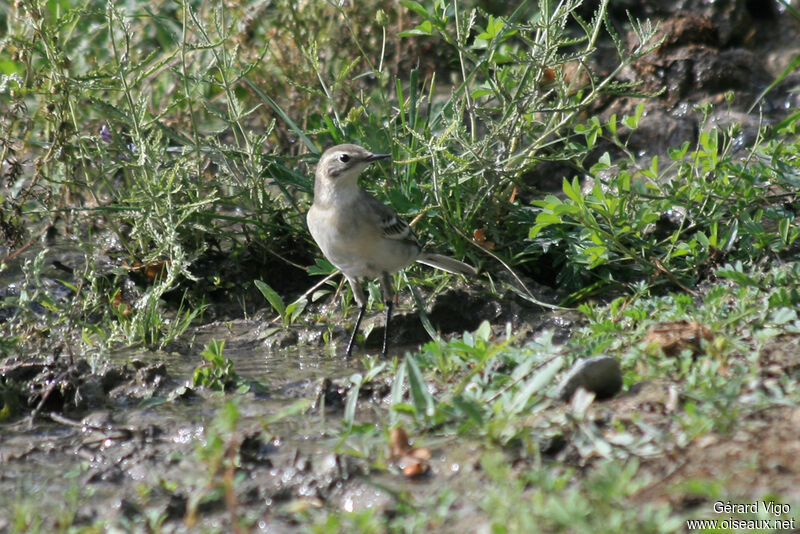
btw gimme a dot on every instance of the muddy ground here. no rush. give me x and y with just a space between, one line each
118 440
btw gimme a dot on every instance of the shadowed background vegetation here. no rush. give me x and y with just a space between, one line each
176 142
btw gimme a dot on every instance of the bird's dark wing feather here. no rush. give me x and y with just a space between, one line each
392 226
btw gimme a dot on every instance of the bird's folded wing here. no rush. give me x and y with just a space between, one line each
392 226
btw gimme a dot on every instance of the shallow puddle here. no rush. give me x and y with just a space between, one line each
117 459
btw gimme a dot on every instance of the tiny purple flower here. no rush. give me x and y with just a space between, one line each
105 134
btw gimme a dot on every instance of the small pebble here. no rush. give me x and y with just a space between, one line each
601 375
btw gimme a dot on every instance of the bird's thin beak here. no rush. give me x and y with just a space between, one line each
374 157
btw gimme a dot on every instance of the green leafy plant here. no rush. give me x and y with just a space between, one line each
288 314
216 371
218 453
614 233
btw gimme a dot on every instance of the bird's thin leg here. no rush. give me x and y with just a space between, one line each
358 293
361 311
386 328
388 301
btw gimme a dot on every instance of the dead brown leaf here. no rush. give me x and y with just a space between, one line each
675 336
413 461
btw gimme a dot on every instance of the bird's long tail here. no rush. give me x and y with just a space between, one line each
446 264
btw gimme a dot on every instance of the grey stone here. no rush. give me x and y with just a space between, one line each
601 375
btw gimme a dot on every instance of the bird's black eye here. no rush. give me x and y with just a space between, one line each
344 158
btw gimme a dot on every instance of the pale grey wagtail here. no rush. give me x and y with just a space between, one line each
360 235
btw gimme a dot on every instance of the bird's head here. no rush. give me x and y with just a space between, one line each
343 163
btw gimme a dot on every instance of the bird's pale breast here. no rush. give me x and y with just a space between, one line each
357 248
